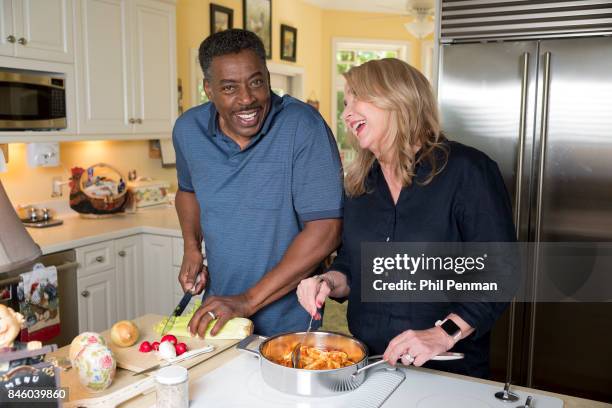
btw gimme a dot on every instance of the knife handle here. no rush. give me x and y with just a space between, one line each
183 304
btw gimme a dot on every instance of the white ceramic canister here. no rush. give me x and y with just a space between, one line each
172 387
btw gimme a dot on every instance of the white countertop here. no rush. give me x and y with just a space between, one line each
77 231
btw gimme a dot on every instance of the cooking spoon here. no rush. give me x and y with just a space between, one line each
297 350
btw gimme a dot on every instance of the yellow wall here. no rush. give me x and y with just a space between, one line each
316 28
25 185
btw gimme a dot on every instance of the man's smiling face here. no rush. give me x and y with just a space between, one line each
240 90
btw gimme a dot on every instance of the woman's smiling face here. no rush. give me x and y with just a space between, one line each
367 122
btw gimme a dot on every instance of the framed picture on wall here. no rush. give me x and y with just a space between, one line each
221 18
257 17
288 43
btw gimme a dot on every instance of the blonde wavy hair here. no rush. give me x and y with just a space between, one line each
394 86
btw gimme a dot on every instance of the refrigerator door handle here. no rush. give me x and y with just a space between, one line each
521 143
517 202
538 217
543 143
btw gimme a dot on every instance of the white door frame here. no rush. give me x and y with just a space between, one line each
296 73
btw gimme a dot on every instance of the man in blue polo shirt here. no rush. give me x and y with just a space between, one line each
260 181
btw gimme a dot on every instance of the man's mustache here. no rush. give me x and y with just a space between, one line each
246 108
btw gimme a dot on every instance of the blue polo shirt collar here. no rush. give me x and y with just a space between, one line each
275 107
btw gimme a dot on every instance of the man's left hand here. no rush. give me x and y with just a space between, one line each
417 345
222 308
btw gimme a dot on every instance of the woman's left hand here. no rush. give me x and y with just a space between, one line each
417 346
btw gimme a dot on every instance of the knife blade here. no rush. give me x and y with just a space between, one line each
178 310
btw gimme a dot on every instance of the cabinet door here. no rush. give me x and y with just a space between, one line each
158 276
97 298
130 291
103 50
154 67
6 28
45 28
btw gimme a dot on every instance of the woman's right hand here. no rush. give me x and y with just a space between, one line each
312 293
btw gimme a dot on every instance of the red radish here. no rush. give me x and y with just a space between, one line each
180 348
155 345
170 338
145 347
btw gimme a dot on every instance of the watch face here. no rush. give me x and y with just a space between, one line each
450 327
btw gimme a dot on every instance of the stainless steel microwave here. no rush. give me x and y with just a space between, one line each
32 101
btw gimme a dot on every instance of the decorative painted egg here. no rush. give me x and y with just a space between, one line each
81 341
96 367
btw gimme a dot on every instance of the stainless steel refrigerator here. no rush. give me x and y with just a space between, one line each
542 109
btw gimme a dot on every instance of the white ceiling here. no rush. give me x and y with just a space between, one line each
376 6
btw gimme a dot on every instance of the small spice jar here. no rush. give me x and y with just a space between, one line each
172 387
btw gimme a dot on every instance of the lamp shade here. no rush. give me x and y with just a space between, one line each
16 246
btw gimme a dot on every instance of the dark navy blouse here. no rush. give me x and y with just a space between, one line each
467 201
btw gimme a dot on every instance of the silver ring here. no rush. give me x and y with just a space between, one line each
212 314
409 358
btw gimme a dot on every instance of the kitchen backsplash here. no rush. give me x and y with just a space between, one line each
27 185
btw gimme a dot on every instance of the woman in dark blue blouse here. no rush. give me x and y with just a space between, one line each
409 183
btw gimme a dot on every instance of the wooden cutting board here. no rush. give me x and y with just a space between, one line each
126 385
131 359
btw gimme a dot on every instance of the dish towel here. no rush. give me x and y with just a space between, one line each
39 303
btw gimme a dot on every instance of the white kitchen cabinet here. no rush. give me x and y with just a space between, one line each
37 29
159 280
126 278
96 286
7 36
109 281
127 66
154 66
130 277
97 301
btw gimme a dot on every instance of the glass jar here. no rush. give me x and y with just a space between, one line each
172 388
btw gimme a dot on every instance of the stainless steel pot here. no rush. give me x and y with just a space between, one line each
313 383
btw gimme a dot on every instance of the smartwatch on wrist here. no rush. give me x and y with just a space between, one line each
450 328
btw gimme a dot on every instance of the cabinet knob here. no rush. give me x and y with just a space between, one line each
99 259
122 253
22 41
132 120
139 121
11 39
85 293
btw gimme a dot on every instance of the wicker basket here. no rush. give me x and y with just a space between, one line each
85 203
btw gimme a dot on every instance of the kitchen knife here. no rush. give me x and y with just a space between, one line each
178 310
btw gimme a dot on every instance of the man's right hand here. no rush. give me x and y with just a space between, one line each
192 266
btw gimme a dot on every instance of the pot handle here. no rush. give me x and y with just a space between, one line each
244 344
